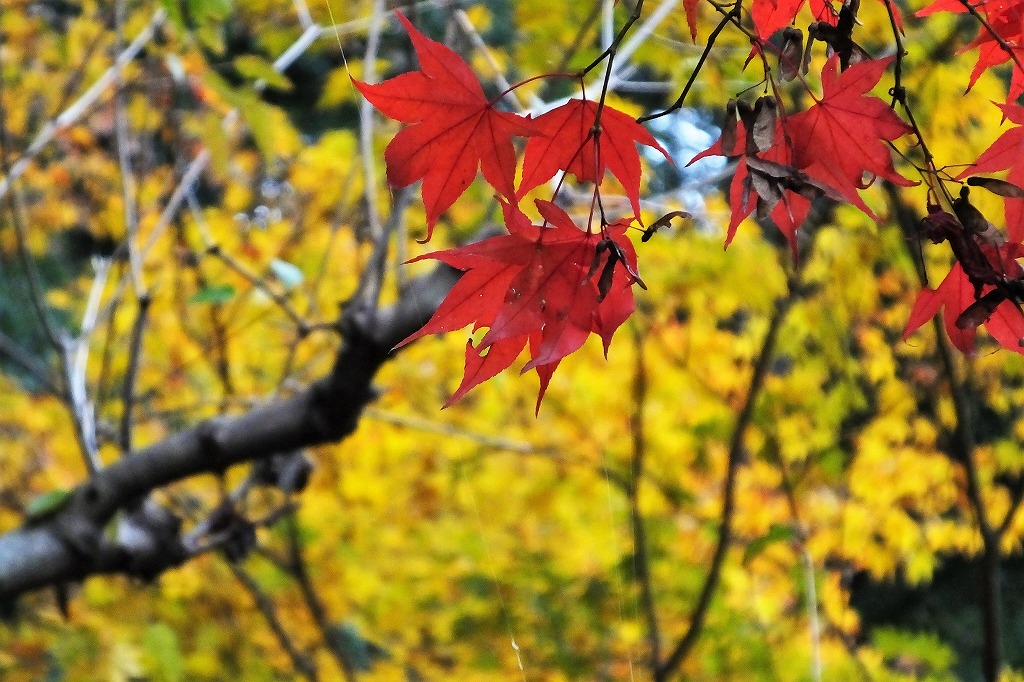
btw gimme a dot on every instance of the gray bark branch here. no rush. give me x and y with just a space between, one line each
71 545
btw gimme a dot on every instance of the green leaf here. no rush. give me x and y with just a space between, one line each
359 652
213 293
923 649
204 11
776 533
174 14
161 643
256 68
289 274
47 504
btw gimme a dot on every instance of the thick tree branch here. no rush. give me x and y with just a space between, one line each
71 544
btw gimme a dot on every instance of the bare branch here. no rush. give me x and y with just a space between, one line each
700 609
366 123
303 663
71 544
82 104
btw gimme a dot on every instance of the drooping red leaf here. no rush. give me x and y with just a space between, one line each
1004 19
771 15
692 9
956 294
453 131
1007 152
486 364
567 142
1007 326
843 135
619 304
535 284
544 372
952 296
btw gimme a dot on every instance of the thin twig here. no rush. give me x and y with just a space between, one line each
962 451
131 220
302 9
316 607
367 294
304 665
334 30
82 104
77 352
678 104
789 490
17 212
40 372
131 373
366 123
1005 46
686 643
260 283
1017 496
469 30
179 195
641 552
486 440
122 143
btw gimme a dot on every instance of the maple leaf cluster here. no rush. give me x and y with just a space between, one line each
549 287
546 287
826 150
998 40
985 286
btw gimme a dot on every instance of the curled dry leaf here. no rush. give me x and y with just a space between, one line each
1001 187
791 54
728 139
762 132
663 221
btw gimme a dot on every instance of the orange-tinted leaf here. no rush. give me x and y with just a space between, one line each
692 9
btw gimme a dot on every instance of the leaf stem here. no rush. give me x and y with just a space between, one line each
678 104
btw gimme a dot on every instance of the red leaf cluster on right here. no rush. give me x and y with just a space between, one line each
825 150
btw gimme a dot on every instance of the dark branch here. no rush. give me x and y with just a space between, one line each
71 544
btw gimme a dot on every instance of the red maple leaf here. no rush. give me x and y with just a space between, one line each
1005 19
955 295
771 15
692 9
830 147
567 142
843 135
1006 153
454 128
536 285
